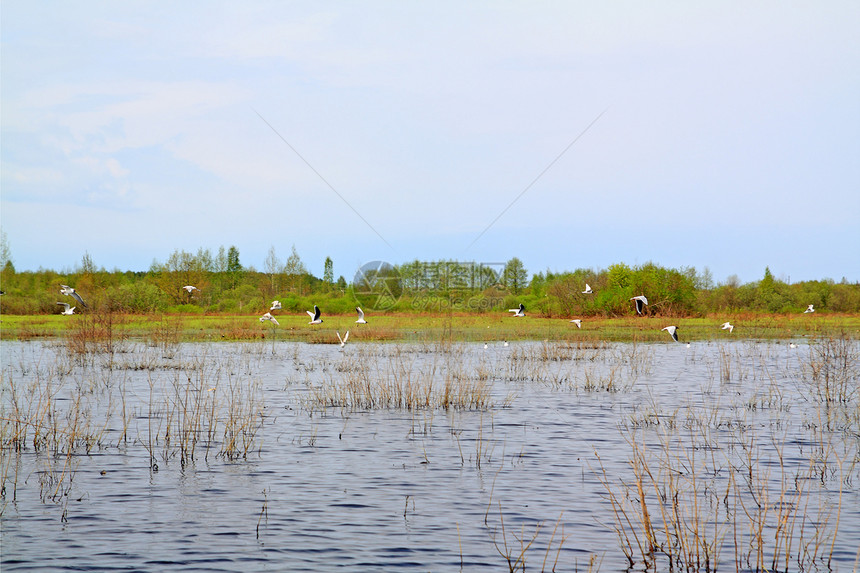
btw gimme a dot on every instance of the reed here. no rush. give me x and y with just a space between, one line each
400 381
691 489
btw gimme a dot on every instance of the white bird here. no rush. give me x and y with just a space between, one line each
360 316
688 345
577 322
344 339
69 291
641 301
809 309
727 326
69 310
792 345
521 311
271 318
315 315
673 332
505 344
190 288
587 289
486 346
276 305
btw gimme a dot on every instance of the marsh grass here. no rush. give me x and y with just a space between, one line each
705 488
196 407
400 380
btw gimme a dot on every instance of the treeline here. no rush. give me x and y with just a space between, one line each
224 285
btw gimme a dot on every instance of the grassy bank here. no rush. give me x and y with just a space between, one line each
488 327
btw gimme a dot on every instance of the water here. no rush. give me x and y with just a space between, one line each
382 487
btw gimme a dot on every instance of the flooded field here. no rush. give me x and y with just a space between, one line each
272 456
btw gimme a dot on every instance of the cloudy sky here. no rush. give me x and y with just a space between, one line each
710 134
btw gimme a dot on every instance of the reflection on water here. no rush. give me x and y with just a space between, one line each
279 456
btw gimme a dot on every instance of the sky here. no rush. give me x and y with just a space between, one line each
718 135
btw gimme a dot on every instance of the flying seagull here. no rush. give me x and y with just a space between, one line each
344 339
268 316
727 326
641 301
577 322
315 315
190 288
587 289
360 316
69 310
276 305
809 309
69 291
521 311
673 332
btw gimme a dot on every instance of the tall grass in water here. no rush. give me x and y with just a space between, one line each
399 380
196 407
703 489
98 331
202 406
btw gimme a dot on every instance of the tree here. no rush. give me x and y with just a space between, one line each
272 265
87 266
515 275
328 272
234 267
221 260
295 270
5 251
233 264
7 269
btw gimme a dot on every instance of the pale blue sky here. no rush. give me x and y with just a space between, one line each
731 137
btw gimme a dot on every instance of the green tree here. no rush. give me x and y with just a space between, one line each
87 266
515 275
295 270
5 251
233 264
234 267
328 272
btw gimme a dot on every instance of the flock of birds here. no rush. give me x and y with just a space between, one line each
640 302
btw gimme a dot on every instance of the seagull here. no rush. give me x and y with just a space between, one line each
577 322
69 291
521 311
70 310
727 326
315 315
641 301
809 309
673 332
505 344
792 345
688 345
587 289
344 339
190 288
276 305
360 316
271 318
486 346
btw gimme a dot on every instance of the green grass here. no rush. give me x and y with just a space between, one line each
487 327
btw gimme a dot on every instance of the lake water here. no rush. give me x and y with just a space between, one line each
292 456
